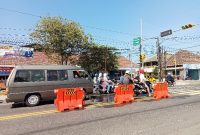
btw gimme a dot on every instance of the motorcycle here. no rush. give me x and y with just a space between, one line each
140 89
98 88
170 83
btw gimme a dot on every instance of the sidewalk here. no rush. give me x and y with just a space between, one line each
187 82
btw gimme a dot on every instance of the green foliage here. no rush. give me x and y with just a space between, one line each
98 58
60 36
67 39
155 72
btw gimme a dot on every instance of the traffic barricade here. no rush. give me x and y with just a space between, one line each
124 94
69 98
161 90
2 86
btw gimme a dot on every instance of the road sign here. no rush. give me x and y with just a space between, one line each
136 41
166 33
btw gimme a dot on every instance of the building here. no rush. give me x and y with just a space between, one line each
151 63
185 65
125 64
38 57
11 56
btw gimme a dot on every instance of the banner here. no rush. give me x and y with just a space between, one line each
16 51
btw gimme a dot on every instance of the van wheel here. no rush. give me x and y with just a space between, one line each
32 100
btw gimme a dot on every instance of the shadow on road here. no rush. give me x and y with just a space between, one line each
18 105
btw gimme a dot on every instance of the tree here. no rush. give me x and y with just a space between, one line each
57 35
98 58
155 72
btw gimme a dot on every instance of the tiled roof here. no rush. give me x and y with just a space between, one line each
151 59
37 59
183 57
154 58
40 58
124 62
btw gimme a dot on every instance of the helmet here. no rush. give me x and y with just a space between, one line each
127 72
141 71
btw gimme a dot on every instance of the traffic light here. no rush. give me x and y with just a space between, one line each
142 57
187 26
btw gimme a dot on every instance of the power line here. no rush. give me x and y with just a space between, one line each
92 27
20 12
16 29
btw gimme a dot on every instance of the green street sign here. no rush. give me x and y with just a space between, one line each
136 41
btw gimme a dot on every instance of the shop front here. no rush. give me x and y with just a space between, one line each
192 71
5 72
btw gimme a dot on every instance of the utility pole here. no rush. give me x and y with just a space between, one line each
162 62
165 61
105 66
142 63
175 64
159 59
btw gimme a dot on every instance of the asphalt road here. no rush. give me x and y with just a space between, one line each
176 115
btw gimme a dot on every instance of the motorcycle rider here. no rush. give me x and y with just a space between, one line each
169 78
143 80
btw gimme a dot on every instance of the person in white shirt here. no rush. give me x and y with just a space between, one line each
143 80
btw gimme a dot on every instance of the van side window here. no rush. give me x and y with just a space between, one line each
22 76
37 75
63 75
52 75
80 74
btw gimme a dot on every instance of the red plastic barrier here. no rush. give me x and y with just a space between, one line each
161 90
124 93
69 98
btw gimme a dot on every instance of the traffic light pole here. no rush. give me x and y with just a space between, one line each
140 49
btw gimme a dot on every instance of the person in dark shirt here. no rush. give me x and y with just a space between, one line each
169 78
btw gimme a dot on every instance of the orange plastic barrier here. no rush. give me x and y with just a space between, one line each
69 98
2 86
161 90
124 93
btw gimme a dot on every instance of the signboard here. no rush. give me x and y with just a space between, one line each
5 70
136 41
166 33
16 51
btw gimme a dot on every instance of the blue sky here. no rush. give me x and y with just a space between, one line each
122 17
